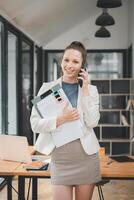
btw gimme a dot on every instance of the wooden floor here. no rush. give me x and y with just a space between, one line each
120 190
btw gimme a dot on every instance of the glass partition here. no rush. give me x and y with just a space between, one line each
12 111
100 65
16 80
0 86
54 68
38 69
26 89
105 65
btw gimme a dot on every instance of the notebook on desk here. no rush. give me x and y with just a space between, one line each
14 148
122 158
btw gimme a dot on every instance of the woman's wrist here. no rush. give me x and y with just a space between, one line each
85 90
60 120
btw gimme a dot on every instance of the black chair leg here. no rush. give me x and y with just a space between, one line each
101 196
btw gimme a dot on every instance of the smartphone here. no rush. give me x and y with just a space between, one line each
79 80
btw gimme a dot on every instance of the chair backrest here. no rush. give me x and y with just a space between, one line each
102 151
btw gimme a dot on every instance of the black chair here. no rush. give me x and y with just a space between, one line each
99 186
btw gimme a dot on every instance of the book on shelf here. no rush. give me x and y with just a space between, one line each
124 120
130 104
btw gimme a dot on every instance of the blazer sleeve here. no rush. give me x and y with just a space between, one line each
38 124
90 107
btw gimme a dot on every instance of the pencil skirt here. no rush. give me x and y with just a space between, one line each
70 165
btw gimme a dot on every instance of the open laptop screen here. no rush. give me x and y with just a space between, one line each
14 148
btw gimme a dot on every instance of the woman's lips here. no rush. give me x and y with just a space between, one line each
69 71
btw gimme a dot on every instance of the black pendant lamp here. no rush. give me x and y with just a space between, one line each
102 33
105 19
109 3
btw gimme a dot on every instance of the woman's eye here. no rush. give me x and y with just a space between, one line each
76 62
66 60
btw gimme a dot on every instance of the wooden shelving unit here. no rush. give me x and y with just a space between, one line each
115 130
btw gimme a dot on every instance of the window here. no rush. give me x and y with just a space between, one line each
16 82
11 79
26 88
0 86
54 68
105 65
100 64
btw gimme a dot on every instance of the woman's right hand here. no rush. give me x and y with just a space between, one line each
68 114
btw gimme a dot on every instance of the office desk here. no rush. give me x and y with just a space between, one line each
7 169
114 170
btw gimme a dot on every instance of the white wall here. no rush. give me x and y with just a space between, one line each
130 24
86 30
131 27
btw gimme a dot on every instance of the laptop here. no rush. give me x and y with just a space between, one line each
14 148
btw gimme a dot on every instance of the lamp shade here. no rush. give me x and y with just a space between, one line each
109 3
103 33
105 19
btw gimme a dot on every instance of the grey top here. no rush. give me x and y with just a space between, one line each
71 91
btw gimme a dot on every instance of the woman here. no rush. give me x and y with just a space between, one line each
76 164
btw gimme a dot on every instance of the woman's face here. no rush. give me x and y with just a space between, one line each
71 63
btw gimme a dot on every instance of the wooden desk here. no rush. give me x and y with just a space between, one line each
7 169
109 170
114 170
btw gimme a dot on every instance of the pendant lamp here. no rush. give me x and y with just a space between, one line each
109 3
103 33
105 19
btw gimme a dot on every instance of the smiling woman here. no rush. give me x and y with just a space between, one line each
67 168
71 65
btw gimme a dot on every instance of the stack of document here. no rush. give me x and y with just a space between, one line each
50 104
34 165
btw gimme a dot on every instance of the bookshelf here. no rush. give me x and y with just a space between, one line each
115 130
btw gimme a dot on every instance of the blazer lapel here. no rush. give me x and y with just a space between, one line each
79 104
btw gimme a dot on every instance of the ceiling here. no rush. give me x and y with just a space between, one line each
45 20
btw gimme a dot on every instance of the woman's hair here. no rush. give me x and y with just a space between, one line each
79 47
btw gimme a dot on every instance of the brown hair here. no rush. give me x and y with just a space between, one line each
80 47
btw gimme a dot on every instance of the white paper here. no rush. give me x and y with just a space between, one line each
50 107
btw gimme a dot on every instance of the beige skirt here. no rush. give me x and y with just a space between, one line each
72 166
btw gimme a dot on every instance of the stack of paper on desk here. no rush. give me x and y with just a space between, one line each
34 165
50 104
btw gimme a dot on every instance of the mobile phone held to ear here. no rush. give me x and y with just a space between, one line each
79 80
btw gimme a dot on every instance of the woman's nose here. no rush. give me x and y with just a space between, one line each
69 66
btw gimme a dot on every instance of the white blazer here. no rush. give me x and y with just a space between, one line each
88 107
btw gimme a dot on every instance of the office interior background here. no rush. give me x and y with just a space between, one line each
33 35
